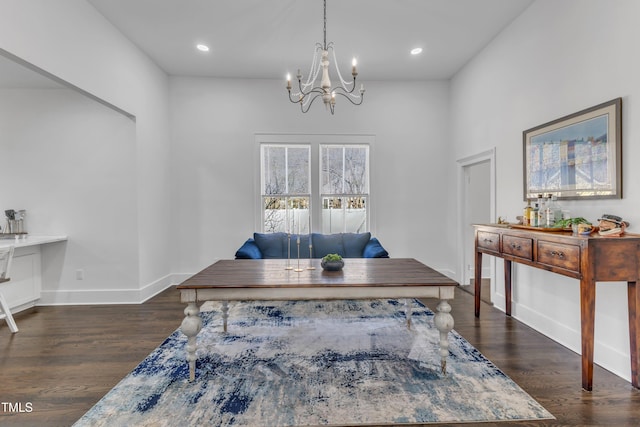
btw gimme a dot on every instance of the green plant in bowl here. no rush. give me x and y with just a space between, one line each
568 222
332 257
332 262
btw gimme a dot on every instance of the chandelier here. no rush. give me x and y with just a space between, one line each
309 90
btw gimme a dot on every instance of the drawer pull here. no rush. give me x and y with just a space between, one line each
516 247
558 254
488 240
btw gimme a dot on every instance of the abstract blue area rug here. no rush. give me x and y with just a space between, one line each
314 363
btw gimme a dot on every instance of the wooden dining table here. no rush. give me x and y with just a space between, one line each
283 279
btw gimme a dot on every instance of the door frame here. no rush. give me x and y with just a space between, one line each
463 164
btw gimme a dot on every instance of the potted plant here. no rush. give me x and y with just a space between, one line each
332 262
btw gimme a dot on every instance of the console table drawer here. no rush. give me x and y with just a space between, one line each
490 241
559 255
517 246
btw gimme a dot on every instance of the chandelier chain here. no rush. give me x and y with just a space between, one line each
325 25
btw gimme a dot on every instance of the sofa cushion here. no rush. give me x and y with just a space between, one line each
324 244
374 249
249 250
354 244
272 245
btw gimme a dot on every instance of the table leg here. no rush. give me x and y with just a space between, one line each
477 281
587 315
507 287
444 323
225 315
407 307
634 326
191 325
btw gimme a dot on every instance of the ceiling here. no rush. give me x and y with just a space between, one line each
270 38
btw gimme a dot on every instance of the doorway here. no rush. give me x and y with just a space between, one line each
477 206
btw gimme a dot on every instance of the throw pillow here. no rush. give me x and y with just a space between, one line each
324 244
375 250
271 244
354 243
249 250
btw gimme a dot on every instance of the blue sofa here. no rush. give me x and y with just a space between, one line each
348 245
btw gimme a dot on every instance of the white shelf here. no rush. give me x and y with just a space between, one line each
31 241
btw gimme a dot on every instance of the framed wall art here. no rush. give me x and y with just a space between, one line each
578 156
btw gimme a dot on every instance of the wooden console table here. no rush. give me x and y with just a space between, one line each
590 259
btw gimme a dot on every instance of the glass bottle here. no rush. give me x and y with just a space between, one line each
526 214
541 208
549 213
533 222
557 209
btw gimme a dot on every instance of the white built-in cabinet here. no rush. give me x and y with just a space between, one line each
24 289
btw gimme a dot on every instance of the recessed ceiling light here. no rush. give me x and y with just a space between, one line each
416 51
202 47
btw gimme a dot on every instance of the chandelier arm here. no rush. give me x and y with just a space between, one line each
309 104
345 90
361 98
316 89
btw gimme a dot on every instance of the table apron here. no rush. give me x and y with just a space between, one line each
311 293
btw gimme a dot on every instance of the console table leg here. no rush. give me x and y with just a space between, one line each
444 324
587 315
407 307
191 325
477 281
507 287
225 315
634 326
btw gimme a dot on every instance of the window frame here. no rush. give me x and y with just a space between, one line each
315 141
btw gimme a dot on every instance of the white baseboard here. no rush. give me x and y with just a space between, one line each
109 296
605 356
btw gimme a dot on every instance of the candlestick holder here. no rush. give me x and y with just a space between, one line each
288 267
298 269
311 267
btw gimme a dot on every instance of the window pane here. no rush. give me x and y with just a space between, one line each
345 169
356 174
298 170
274 170
274 214
344 214
332 170
286 214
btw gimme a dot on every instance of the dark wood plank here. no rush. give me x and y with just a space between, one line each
64 359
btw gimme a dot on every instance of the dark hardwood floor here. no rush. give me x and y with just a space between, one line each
64 359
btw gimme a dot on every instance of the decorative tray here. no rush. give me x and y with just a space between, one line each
528 227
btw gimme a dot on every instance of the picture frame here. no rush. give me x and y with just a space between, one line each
576 157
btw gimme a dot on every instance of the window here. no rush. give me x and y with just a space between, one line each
286 183
345 188
321 184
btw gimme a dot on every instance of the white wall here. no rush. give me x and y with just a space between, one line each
557 58
71 163
215 158
71 40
